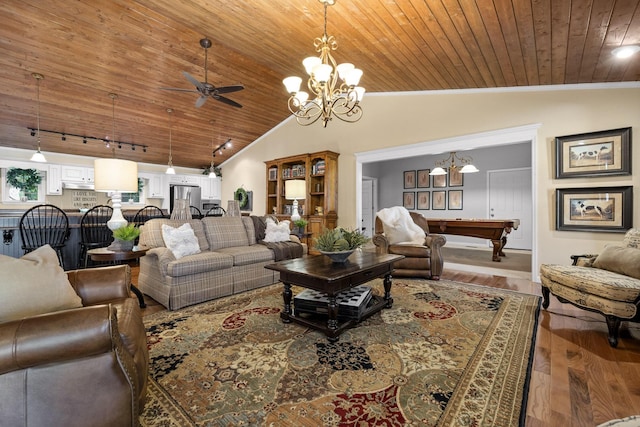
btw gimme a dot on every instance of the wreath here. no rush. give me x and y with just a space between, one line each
23 179
241 195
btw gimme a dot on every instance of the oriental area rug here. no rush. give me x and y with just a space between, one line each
445 354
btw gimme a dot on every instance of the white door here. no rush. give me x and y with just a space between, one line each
510 197
367 207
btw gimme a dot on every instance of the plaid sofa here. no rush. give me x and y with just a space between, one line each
230 261
607 283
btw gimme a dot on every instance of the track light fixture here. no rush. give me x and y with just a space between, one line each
63 137
222 147
85 138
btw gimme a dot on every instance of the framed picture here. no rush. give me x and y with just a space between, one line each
439 199
455 177
455 199
273 174
409 200
424 179
439 181
606 152
594 209
424 200
409 179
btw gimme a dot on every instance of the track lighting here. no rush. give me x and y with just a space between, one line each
84 140
33 132
133 147
222 147
64 137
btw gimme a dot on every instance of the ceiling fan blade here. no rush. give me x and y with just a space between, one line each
179 89
194 82
200 101
226 101
229 89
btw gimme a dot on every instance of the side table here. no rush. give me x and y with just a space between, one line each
104 254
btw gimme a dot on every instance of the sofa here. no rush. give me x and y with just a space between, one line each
80 366
229 259
607 283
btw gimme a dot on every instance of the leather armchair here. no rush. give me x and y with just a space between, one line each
420 260
84 366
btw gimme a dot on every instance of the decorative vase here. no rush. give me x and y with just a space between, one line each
338 257
121 245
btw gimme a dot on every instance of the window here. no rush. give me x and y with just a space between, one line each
134 197
31 191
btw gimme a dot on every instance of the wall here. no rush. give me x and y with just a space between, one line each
395 120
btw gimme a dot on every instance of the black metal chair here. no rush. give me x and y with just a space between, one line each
195 212
94 232
44 225
216 211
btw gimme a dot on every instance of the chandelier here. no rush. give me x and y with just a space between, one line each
451 160
335 87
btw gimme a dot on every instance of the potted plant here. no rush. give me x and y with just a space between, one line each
124 238
339 243
299 227
25 180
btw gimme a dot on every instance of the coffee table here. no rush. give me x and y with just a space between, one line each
320 274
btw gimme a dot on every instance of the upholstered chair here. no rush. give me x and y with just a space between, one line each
607 283
79 366
423 259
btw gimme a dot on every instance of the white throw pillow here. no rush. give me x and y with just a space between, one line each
34 284
277 232
181 241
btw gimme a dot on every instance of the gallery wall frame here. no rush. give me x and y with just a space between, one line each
456 179
601 153
424 200
438 200
604 209
439 181
424 179
455 200
409 200
409 179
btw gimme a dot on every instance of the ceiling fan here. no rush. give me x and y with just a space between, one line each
206 89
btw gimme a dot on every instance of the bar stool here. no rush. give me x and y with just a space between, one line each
44 225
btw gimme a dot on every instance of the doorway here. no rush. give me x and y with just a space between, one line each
510 198
369 205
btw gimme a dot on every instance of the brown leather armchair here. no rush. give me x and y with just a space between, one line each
84 366
419 260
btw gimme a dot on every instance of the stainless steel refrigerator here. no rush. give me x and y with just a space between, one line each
184 192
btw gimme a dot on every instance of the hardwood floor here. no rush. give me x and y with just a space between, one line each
577 379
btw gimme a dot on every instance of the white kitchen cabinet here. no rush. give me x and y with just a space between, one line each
158 186
54 180
77 174
210 188
184 179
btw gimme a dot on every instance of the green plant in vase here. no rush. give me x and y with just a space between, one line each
124 238
300 225
339 243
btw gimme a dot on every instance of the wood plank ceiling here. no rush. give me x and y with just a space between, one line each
89 48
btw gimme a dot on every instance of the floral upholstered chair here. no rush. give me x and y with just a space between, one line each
608 283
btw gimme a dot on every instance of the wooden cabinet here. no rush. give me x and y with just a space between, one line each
320 172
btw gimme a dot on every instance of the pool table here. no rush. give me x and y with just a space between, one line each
495 230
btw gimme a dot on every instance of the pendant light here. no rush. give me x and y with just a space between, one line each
170 169
212 173
38 156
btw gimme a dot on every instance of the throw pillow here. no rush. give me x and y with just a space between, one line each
34 284
277 232
619 260
181 241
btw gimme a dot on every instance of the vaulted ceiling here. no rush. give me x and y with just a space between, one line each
87 49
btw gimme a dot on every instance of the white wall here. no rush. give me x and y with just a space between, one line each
399 119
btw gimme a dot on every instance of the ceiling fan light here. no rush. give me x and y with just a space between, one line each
438 171
469 169
292 84
310 62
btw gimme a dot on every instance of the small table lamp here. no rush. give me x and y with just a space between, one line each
295 189
115 176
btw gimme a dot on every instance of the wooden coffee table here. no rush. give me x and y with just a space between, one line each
320 274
